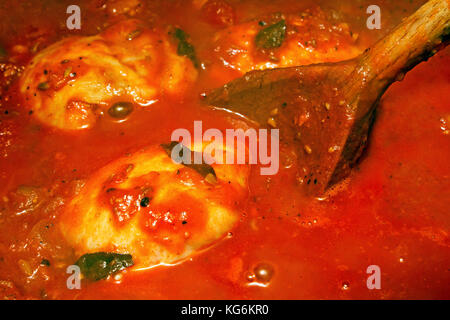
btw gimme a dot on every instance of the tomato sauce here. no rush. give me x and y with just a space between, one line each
393 211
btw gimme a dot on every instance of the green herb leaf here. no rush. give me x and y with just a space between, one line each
272 36
184 47
43 86
204 169
97 266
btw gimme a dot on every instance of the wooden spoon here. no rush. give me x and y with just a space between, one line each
327 109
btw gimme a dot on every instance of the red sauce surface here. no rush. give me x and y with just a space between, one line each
393 211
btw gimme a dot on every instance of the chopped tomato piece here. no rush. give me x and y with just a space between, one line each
218 13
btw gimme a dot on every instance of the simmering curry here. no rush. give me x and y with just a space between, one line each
89 185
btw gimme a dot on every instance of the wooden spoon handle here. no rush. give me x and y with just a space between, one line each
414 40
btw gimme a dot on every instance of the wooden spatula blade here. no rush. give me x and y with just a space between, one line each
307 107
326 110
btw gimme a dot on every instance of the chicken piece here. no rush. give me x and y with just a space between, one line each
71 83
304 39
156 210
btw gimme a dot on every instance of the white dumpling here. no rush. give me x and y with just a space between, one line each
69 84
158 211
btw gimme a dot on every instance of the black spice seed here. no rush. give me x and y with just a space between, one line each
45 262
145 202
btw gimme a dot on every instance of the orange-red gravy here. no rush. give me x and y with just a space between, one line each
392 212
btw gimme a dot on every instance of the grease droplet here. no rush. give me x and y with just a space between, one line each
345 286
263 272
